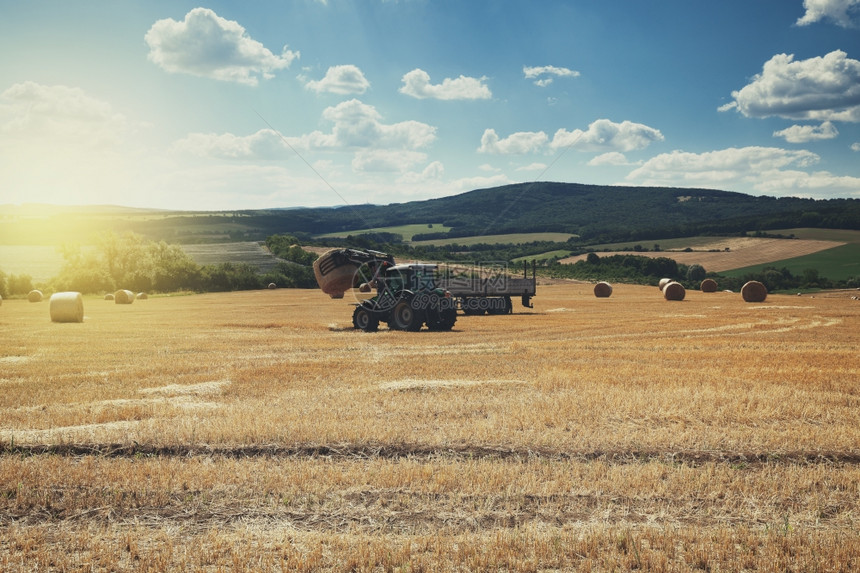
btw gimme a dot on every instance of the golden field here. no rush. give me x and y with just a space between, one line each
258 431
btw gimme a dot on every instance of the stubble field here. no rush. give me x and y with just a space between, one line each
257 431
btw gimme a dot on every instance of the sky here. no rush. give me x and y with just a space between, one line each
227 105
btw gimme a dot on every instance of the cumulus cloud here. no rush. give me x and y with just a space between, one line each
606 135
265 144
356 127
764 169
206 45
417 84
823 88
516 143
56 115
855 146
609 158
840 12
804 133
544 75
343 80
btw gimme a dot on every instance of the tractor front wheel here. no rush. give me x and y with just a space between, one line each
365 319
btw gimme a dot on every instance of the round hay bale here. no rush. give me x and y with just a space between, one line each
674 291
663 282
754 291
123 296
708 285
603 290
334 272
272 286
1 301
34 296
67 307
109 296
336 295
141 296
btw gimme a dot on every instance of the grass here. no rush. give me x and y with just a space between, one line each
838 263
257 431
515 238
406 231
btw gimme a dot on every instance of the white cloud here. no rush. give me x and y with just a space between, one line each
768 170
265 144
346 79
417 84
838 11
52 115
609 158
357 124
516 143
855 146
206 45
606 135
539 73
822 88
804 133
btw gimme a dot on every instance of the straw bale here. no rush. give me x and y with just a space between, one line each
123 296
109 296
340 278
336 295
34 296
674 291
272 286
603 290
754 291
708 285
67 307
1 301
141 296
663 282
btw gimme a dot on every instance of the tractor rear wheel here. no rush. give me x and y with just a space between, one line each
404 317
441 318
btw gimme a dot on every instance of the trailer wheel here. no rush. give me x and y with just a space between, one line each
365 319
441 318
404 317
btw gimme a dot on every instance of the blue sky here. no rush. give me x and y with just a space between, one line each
245 105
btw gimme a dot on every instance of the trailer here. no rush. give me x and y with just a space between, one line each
489 290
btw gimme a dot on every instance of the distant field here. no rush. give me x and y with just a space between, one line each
727 253
517 238
249 252
838 263
406 231
257 431
40 262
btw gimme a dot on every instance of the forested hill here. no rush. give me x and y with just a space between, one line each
590 211
595 213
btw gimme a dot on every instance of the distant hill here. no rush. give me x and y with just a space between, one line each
594 212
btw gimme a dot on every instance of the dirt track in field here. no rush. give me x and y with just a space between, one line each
742 252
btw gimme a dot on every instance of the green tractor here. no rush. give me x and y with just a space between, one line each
406 297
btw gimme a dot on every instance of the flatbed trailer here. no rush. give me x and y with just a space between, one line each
476 294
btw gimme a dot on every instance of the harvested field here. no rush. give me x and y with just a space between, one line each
256 431
743 252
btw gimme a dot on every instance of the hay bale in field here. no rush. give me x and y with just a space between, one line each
754 291
272 286
1 301
141 296
708 285
603 290
109 296
663 282
335 273
123 296
67 307
34 296
674 291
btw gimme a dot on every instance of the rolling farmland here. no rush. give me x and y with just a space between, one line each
258 431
